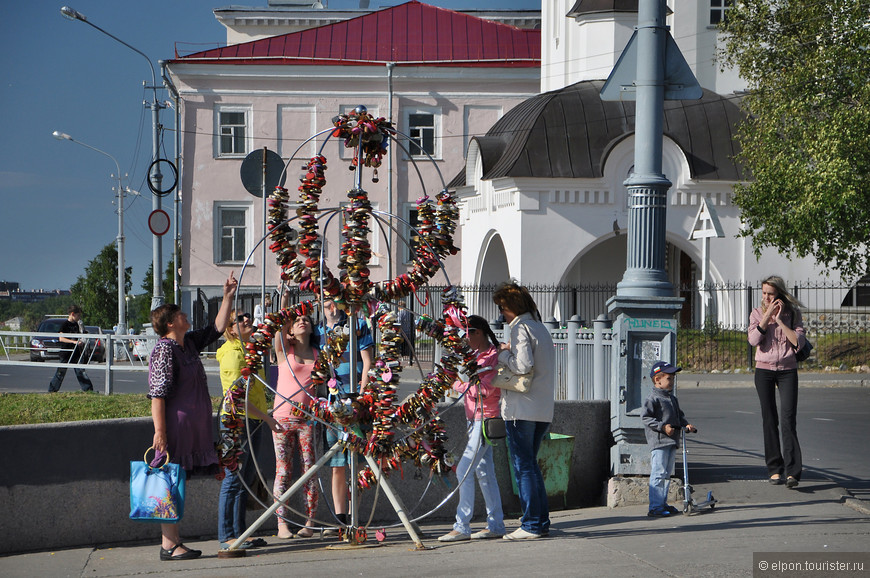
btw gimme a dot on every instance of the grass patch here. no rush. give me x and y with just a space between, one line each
708 350
35 408
720 349
849 349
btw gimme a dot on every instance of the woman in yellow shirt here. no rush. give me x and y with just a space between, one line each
234 495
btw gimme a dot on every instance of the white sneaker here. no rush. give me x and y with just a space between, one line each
520 534
486 534
454 536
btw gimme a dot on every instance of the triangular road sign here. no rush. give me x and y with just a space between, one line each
706 223
680 83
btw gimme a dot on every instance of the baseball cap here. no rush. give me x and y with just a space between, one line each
663 367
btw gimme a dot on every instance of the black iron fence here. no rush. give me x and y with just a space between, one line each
712 323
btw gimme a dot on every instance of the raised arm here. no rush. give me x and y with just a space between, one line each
222 321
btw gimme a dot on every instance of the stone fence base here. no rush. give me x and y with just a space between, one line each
67 485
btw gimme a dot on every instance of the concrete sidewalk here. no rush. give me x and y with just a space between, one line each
752 516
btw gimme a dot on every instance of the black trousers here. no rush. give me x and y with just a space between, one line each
784 459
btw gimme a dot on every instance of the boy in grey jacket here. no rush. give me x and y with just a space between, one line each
662 421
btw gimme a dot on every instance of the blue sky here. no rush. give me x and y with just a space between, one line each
57 210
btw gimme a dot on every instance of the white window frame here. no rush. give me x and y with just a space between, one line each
219 208
720 11
247 110
345 153
435 111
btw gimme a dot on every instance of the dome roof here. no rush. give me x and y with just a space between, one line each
568 133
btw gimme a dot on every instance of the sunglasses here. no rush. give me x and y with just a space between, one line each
242 317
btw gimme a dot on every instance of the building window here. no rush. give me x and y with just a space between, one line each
233 133
718 10
409 234
421 129
232 233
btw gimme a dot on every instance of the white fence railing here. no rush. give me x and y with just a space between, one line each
114 353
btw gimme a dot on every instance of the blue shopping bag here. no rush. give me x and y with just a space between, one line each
156 493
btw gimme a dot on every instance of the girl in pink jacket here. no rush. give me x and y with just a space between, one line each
481 401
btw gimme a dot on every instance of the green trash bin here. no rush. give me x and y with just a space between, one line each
554 459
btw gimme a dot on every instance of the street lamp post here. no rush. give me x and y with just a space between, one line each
156 176
122 317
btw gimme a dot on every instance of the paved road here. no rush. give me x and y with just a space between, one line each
832 428
831 420
35 378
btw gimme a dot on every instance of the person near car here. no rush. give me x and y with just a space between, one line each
181 407
71 350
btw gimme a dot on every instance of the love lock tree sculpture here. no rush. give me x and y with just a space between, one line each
395 432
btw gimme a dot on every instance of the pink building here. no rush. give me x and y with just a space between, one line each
441 76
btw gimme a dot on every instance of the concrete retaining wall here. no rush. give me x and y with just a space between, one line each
66 485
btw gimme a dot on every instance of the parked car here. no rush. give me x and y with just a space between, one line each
43 347
145 343
95 349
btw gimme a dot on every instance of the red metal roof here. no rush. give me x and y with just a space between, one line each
411 33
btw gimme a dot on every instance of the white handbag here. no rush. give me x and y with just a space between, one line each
507 379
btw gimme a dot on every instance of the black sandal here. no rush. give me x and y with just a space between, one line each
189 555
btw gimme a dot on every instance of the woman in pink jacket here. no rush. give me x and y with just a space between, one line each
776 330
481 401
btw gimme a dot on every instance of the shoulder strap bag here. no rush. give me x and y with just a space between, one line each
507 379
803 353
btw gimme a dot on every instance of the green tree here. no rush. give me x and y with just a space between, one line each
139 311
97 291
168 283
806 139
33 313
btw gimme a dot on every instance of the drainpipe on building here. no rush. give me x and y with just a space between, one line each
390 67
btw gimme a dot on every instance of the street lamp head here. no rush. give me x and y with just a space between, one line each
61 135
72 14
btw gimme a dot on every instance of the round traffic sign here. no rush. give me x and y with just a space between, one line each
158 222
256 172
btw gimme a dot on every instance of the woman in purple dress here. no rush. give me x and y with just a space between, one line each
180 404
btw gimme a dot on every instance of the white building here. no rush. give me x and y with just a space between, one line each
544 200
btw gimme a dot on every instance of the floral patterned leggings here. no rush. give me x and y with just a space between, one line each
301 433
